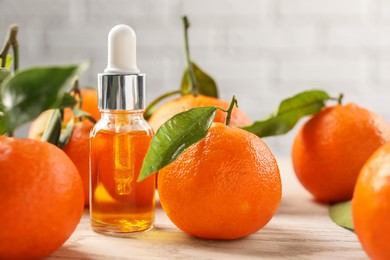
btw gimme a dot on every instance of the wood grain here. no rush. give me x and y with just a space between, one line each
300 230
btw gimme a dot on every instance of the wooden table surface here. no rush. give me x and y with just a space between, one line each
301 229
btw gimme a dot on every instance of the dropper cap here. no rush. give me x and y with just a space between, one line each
121 86
122 50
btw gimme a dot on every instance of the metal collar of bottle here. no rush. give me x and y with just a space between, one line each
121 91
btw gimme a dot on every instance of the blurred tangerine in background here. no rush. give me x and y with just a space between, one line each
184 103
331 148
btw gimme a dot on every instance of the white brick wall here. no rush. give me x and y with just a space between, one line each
324 8
259 50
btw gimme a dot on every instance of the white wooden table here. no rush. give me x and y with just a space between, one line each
301 229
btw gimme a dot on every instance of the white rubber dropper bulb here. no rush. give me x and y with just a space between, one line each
122 56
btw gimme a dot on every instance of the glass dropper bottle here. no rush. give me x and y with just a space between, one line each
118 144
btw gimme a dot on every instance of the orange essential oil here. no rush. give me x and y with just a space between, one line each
119 141
119 203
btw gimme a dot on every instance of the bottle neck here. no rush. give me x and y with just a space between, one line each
121 112
122 121
130 114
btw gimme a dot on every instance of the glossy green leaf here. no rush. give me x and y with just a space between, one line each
341 214
154 104
174 136
289 112
31 91
206 84
52 132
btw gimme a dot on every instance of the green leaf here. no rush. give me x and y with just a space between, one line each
8 61
67 100
65 135
31 91
341 214
206 84
3 74
289 112
153 105
52 132
174 136
3 128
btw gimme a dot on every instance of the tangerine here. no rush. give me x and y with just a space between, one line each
77 149
226 186
90 102
331 148
41 198
371 204
184 103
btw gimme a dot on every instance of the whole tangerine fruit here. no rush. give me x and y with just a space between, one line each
226 186
184 103
331 148
371 205
41 198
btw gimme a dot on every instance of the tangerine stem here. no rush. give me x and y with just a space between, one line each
230 110
78 96
11 41
15 46
77 93
339 99
191 73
